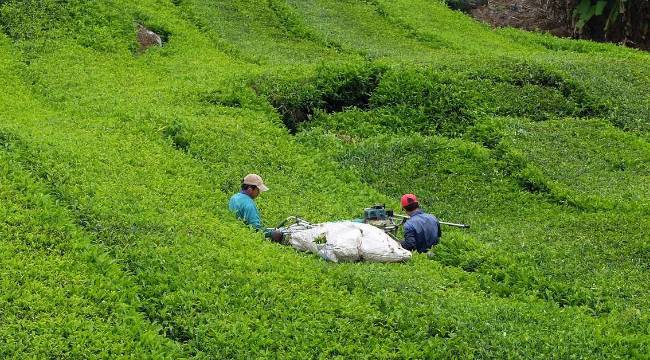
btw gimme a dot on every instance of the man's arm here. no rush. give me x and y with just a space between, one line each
409 237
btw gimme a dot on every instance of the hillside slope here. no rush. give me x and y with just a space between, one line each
116 168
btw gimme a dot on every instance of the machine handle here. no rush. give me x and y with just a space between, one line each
464 226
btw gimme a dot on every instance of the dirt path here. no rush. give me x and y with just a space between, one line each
554 16
525 14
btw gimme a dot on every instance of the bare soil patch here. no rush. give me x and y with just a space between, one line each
533 15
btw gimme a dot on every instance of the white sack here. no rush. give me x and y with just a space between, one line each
343 242
348 241
306 239
377 246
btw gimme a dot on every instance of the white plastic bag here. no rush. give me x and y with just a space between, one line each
348 241
306 239
343 242
377 246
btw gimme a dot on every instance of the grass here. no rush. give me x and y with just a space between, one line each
116 168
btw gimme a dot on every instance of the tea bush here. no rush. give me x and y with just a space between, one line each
332 88
429 99
61 295
452 176
265 32
617 162
140 153
192 249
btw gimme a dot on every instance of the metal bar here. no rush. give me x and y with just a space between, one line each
465 226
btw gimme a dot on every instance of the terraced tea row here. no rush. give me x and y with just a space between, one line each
130 158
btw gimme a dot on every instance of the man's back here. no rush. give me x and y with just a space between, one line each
244 208
421 231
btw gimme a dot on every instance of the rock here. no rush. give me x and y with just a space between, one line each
147 38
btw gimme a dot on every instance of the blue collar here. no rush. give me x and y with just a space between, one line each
417 212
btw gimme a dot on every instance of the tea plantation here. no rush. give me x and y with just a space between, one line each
116 166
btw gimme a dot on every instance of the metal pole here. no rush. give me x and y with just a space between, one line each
465 226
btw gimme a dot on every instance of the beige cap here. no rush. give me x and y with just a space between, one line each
254 179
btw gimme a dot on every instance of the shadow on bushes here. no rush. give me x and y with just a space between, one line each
332 89
176 134
430 100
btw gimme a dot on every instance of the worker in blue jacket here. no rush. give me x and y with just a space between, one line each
243 204
421 230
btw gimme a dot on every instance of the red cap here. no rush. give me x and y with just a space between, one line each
408 199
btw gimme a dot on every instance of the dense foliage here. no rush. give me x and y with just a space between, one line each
116 167
626 21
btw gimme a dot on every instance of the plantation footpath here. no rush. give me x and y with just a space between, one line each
116 166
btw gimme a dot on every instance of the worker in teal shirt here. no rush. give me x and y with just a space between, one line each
243 203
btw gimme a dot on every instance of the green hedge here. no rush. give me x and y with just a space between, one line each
429 99
61 295
144 152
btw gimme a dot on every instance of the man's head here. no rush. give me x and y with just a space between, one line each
410 203
253 185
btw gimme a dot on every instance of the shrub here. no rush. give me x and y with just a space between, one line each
141 154
331 89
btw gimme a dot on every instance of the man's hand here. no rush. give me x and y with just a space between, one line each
277 236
